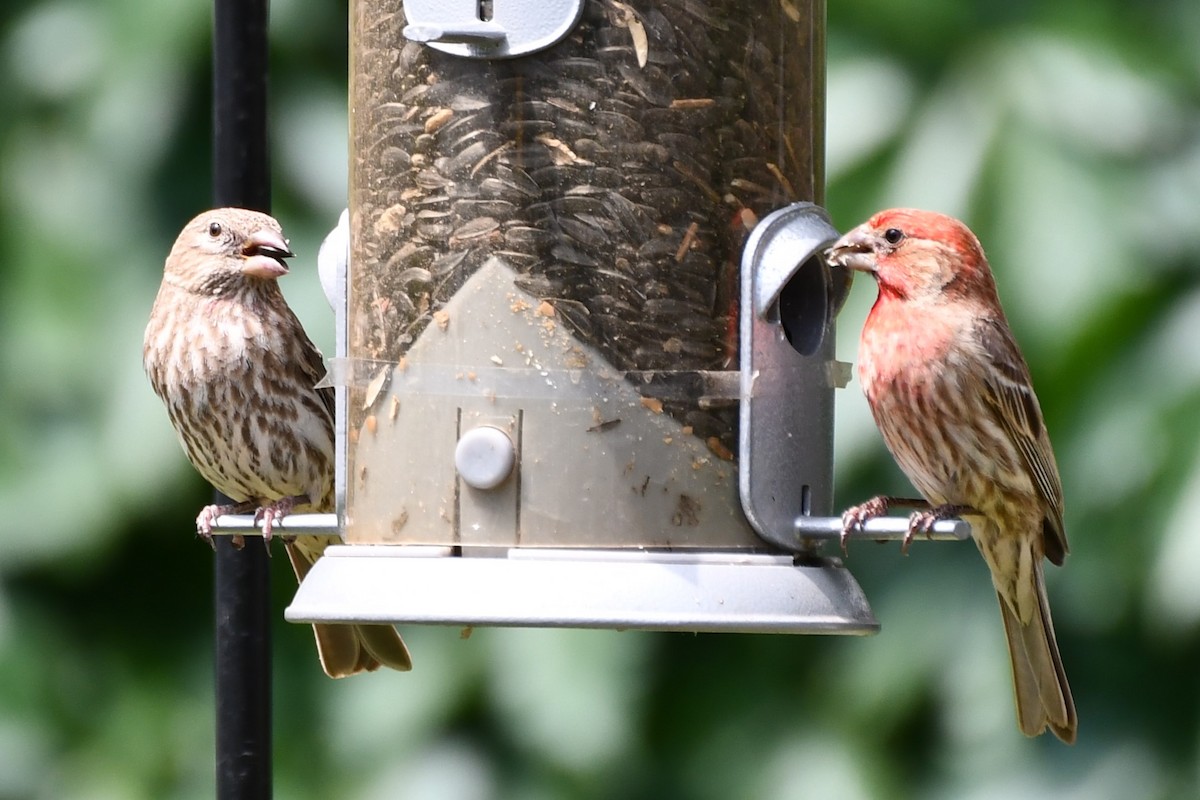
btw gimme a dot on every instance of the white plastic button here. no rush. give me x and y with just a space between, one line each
484 457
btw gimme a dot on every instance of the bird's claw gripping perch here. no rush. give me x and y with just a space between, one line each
922 522
856 517
208 515
270 515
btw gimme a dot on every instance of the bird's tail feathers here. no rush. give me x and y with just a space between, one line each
346 650
1042 694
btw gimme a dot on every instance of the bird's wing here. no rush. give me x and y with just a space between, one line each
313 364
1010 392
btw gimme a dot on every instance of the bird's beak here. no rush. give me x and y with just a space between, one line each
264 253
855 250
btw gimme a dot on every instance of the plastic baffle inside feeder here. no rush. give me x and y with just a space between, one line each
542 325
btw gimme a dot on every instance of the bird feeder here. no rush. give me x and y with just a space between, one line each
585 361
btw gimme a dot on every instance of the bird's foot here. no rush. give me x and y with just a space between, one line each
208 515
271 515
856 517
922 522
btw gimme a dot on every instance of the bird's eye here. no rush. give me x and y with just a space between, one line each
893 235
215 229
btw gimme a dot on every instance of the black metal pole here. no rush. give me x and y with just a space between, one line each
241 177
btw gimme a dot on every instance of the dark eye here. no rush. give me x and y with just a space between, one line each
215 229
893 235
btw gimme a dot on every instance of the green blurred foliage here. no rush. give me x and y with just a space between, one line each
1067 134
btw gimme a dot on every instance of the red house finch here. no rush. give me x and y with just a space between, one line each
952 396
238 376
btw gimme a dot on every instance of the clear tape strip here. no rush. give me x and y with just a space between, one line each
524 381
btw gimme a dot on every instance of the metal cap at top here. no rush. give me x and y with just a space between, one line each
495 29
780 244
786 274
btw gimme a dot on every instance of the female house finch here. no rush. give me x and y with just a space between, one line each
952 396
238 376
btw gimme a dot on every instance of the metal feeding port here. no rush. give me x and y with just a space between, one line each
579 382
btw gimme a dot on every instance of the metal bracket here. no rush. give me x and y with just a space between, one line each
787 363
490 28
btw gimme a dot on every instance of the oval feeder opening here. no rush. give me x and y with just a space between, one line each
803 308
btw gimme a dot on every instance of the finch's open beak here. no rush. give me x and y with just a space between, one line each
855 250
264 253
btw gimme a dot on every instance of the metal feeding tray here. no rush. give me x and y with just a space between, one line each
720 592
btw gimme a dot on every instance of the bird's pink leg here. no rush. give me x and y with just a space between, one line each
208 515
855 517
923 521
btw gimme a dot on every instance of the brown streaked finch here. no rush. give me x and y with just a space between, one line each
238 376
953 399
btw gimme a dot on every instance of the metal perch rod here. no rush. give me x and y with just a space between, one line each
878 529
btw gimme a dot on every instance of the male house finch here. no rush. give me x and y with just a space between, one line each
238 376
952 396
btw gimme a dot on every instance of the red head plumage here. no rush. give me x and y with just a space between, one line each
918 255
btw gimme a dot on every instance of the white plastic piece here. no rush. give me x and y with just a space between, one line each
514 28
332 258
484 457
